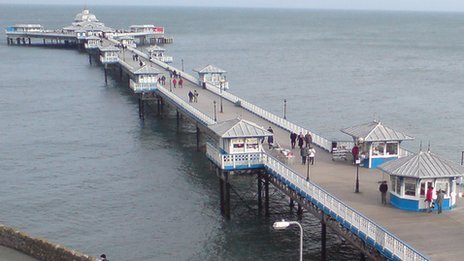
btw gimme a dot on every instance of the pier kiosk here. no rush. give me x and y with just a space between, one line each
127 41
377 143
92 42
239 145
109 54
214 76
145 80
156 52
410 177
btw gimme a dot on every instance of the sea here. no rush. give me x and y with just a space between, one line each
79 168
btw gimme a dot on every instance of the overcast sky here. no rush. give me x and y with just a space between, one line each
419 5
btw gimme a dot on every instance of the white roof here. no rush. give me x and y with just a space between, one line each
422 165
147 70
28 26
109 49
238 128
210 69
142 26
155 48
375 131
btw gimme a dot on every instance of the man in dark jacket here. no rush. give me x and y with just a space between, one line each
293 137
383 189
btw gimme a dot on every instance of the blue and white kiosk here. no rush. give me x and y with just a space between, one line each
377 143
410 177
213 75
239 146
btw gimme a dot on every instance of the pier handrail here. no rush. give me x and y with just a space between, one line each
335 208
184 106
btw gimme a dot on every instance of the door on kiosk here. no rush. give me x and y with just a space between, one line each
424 184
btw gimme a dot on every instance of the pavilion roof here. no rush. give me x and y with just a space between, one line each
209 69
238 128
375 131
147 70
422 165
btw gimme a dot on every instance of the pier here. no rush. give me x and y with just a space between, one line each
324 190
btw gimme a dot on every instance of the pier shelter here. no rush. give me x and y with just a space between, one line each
127 41
27 28
377 143
92 42
109 55
411 176
156 52
145 80
213 75
239 145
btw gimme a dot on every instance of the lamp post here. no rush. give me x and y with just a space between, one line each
221 85
182 64
215 116
285 109
357 176
280 225
308 170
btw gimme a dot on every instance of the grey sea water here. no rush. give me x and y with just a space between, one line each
80 169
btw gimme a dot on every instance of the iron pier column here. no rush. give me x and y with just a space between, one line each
266 196
227 196
120 72
300 210
260 201
221 189
323 237
90 59
198 139
292 204
158 103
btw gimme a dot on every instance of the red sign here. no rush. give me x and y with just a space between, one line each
158 30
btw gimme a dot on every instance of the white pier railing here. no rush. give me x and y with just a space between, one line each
234 161
185 107
111 59
142 87
372 233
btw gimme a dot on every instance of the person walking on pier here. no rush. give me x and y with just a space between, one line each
103 257
383 190
195 96
300 140
293 137
181 83
190 96
163 80
355 153
311 155
270 139
308 139
303 154
429 199
174 82
440 197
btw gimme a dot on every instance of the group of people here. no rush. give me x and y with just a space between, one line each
430 202
162 80
180 82
193 96
304 142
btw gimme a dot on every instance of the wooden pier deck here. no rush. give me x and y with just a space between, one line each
440 237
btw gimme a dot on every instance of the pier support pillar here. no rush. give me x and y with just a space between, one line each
260 201
198 139
226 196
221 189
300 210
120 72
18 41
292 204
90 59
29 39
106 76
266 196
141 109
44 41
177 117
323 237
158 103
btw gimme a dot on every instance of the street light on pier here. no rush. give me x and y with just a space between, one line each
215 116
357 176
308 170
182 64
281 225
221 86
285 109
